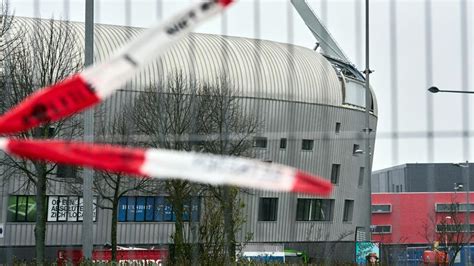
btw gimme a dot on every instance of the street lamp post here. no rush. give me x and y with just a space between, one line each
468 189
436 90
465 173
446 230
465 167
368 99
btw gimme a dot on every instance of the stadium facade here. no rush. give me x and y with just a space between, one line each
313 108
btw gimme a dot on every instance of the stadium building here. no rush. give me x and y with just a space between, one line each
313 108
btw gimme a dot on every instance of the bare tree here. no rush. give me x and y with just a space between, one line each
112 186
39 58
187 115
7 39
164 113
449 230
211 230
452 231
227 130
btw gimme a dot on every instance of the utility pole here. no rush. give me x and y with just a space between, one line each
368 102
87 222
466 174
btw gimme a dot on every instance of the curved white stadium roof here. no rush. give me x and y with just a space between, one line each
257 68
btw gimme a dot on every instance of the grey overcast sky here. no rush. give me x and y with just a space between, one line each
403 72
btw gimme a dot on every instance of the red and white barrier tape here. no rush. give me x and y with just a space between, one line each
97 82
160 163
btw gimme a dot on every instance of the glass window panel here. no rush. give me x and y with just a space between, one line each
260 142
268 209
11 215
195 209
73 209
31 210
159 209
168 212
94 209
81 209
348 208
22 205
150 206
335 173
338 127
318 212
383 229
381 208
186 211
140 209
62 209
122 209
361 176
131 209
53 209
283 143
307 144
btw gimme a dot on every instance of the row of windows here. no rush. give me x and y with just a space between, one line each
306 144
448 228
439 207
154 209
336 171
22 208
306 209
262 142
453 207
453 228
159 209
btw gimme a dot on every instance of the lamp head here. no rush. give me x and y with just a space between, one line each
433 89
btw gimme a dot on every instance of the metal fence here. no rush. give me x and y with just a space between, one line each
414 45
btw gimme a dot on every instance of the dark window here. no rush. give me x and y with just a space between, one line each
260 142
382 229
21 209
361 176
307 144
314 210
157 209
336 168
356 149
348 209
338 127
268 209
452 207
381 208
66 171
453 228
397 188
51 131
283 143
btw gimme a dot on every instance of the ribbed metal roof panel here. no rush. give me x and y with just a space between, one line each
257 68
